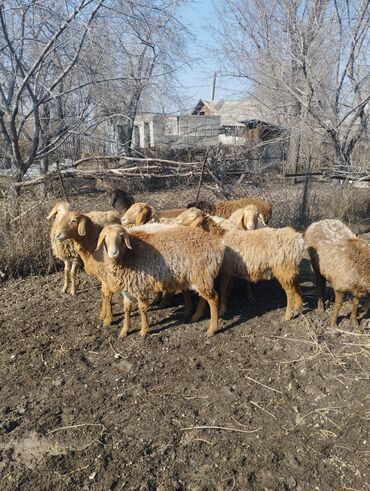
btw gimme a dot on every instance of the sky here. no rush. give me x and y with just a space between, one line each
198 16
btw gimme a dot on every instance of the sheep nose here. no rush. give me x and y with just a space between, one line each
250 226
114 254
59 236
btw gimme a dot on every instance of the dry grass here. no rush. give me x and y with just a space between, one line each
25 243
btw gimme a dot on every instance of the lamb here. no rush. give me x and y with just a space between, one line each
249 217
138 214
121 200
64 251
139 263
338 256
255 254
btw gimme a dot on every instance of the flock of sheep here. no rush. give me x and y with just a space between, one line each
140 252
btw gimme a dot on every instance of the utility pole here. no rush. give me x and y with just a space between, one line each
214 87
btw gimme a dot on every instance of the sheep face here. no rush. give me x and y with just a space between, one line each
71 226
115 240
59 209
250 218
137 214
191 217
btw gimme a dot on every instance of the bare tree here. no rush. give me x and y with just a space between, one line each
40 47
56 76
305 61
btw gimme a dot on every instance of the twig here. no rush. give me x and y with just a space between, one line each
224 428
316 411
263 385
75 426
262 409
116 354
25 212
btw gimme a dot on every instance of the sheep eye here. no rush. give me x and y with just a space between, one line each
74 220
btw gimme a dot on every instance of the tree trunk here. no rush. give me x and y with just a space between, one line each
44 169
14 191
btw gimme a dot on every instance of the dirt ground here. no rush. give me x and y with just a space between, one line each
262 405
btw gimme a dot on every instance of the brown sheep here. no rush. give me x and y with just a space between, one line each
138 214
84 233
254 255
227 207
173 259
338 256
64 251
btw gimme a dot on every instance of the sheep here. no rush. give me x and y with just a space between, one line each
80 229
104 217
138 214
227 207
254 255
65 251
338 256
121 200
139 263
170 213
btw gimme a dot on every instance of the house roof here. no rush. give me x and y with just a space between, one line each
232 113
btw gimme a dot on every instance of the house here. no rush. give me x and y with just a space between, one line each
209 124
241 121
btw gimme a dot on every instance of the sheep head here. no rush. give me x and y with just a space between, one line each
71 226
192 217
115 239
59 209
138 214
248 217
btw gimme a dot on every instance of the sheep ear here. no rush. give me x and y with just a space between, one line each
82 226
126 238
101 239
260 217
198 222
141 217
242 223
53 212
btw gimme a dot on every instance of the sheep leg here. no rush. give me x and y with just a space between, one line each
367 305
73 277
213 307
166 300
188 303
106 313
355 304
338 304
67 267
297 296
127 304
321 289
143 308
224 286
199 312
288 286
249 292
